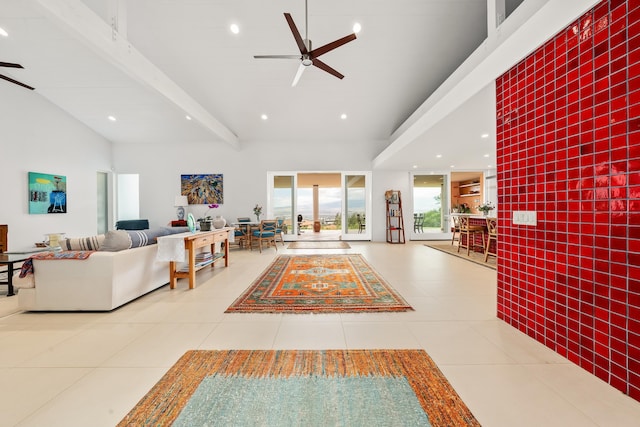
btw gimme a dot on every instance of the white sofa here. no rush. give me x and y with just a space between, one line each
102 282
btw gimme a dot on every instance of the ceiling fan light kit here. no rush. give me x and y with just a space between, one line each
309 56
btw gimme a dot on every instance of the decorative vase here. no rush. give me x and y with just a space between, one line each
205 225
219 222
258 217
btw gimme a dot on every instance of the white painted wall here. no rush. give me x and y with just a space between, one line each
39 137
244 172
36 136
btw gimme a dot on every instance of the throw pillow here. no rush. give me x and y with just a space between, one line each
116 240
145 237
92 243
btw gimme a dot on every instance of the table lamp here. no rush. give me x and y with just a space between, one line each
180 202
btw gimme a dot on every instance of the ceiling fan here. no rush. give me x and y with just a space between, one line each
309 56
9 79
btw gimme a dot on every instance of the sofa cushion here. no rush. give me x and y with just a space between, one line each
146 237
92 243
116 240
119 240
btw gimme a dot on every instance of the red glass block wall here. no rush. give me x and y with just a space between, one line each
569 148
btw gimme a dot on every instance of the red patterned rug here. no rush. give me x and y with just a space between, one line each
319 284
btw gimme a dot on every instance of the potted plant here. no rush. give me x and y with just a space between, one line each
206 221
486 207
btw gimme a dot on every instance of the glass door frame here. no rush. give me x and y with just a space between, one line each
366 235
445 202
288 237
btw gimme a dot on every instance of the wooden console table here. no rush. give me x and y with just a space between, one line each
193 242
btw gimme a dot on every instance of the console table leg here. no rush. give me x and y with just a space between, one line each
172 274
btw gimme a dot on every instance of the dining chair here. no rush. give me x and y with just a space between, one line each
240 236
266 233
469 231
492 233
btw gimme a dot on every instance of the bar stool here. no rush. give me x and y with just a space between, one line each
455 229
469 231
492 232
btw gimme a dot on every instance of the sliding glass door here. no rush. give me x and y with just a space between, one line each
429 220
282 202
329 204
357 204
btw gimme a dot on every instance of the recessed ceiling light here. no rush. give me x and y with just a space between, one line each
357 27
3 33
486 155
234 28
439 156
415 166
113 119
264 117
188 117
343 116
453 166
484 135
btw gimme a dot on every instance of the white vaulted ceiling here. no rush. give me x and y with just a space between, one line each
151 62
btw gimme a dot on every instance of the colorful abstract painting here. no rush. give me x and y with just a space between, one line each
202 189
47 193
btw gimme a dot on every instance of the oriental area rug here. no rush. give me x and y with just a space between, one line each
302 388
319 284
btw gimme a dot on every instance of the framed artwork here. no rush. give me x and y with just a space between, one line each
47 193
202 189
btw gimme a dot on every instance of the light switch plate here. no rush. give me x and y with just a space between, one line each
525 218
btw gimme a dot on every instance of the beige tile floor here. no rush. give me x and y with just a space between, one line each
90 369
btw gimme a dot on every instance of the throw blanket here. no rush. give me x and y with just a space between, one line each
27 266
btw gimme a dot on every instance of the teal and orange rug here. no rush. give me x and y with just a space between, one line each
302 388
319 284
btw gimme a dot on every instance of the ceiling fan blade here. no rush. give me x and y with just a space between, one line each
10 65
16 82
296 34
298 57
298 74
326 68
330 46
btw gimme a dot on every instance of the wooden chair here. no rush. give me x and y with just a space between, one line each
469 231
492 232
241 236
455 228
245 229
266 233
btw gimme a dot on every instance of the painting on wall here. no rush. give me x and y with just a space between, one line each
202 189
47 193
